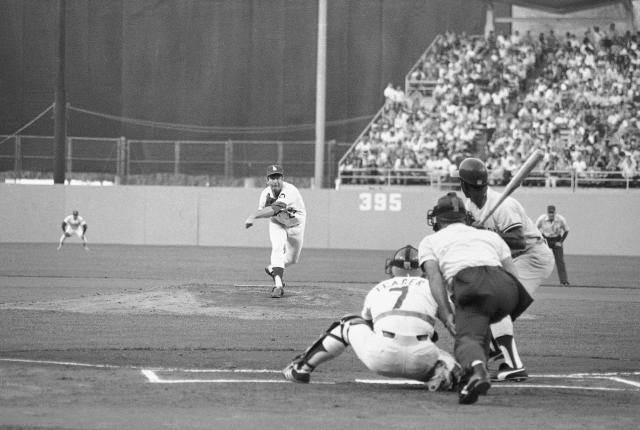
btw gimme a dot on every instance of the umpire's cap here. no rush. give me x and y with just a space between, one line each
450 209
275 169
472 171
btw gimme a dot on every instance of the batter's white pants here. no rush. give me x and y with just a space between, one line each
533 267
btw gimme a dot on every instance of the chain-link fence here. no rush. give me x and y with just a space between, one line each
127 161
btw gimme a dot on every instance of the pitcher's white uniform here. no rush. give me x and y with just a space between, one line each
286 241
535 262
403 312
74 225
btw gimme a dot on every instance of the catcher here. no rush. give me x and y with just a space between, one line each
74 224
394 335
282 203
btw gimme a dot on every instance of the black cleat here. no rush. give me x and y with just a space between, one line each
277 292
477 384
507 373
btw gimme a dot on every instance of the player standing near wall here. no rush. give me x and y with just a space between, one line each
282 203
74 224
393 336
555 230
531 255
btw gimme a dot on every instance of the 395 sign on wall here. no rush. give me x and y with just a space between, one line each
380 202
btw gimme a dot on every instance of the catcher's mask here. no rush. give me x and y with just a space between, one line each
450 209
405 258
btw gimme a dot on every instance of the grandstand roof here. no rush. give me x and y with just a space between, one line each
562 6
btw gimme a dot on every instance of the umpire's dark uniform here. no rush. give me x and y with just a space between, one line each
483 295
470 261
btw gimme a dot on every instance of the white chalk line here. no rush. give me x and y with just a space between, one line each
498 385
625 381
253 285
61 363
152 377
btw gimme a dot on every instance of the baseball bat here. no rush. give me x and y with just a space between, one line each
516 181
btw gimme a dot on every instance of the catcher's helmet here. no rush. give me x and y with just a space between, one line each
450 209
472 171
405 258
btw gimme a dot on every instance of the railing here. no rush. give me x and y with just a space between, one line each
538 178
388 177
121 159
424 86
366 130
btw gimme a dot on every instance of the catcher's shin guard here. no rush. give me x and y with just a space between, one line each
330 345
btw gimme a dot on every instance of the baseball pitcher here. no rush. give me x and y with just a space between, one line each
282 203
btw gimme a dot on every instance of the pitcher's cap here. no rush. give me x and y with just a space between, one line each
275 169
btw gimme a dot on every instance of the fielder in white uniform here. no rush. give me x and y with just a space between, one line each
394 334
74 224
282 203
532 258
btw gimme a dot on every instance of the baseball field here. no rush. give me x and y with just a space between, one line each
152 337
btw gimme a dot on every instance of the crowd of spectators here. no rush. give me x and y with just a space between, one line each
501 97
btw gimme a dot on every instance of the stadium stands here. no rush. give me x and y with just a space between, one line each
501 97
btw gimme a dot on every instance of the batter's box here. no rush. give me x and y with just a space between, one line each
614 381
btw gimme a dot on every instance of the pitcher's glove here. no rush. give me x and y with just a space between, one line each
283 215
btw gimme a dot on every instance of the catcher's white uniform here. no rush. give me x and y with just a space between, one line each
403 312
286 231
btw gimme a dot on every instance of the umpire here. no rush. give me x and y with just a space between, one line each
555 230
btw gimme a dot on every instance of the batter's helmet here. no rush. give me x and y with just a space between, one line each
450 209
405 258
472 171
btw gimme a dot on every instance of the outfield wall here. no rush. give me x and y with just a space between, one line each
602 222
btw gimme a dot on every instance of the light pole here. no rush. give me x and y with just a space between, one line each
321 78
